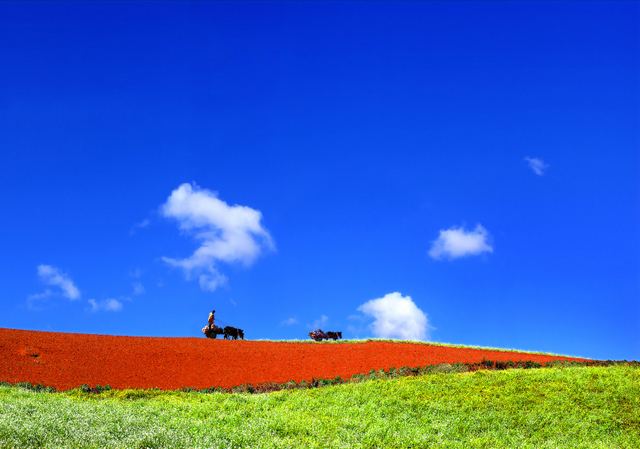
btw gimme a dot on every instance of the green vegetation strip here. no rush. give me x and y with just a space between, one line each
576 407
416 342
443 368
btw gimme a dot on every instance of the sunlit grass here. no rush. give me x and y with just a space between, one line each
417 342
535 408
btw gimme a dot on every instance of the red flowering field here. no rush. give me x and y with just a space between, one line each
66 361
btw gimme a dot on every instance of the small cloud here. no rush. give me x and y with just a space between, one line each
143 224
456 242
358 327
396 317
42 295
211 281
227 234
138 288
52 276
537 165
320 323
36 302
106 305
135 273
232 302
289 322
354 331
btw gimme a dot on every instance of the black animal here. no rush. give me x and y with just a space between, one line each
334 335
319 335
232 332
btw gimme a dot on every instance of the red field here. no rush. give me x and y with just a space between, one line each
67 361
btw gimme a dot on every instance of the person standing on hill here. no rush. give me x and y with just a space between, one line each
211 318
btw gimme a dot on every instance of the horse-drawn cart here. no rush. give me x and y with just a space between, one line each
229 332
319 335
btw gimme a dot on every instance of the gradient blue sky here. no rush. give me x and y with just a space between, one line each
383 144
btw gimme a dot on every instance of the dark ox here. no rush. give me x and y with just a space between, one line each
334 335
233 332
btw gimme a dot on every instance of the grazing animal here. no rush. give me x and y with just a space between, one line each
334 335
233 333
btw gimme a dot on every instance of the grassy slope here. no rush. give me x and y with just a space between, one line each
429 343
538 408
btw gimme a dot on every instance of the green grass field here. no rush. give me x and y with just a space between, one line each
576 407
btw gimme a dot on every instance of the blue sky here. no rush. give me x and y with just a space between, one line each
454 172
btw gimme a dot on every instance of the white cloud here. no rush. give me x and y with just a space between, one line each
106 305
456 242
319 323
289 322
396 317
135 273
212 280
227 233
42 295
138 288
358 328
52 276
537 165
37 301
143 224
